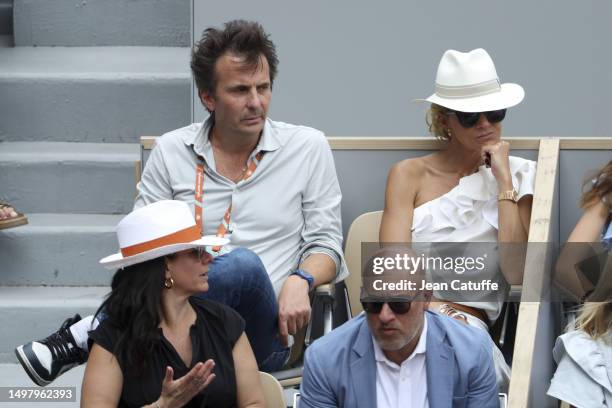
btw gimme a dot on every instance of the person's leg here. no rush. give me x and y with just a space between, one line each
45 360
239 280
80 330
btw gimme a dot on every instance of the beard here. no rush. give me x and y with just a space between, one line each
398 340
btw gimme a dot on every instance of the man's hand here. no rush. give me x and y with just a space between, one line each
177 393
293 307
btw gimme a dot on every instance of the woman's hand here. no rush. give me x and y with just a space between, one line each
497 156
177 393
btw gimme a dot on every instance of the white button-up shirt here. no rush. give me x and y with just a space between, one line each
402 385
288 208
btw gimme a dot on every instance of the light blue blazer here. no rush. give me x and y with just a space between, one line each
340 370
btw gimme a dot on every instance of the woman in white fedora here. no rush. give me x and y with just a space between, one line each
471 190
156 344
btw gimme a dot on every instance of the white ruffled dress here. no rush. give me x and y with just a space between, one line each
468 213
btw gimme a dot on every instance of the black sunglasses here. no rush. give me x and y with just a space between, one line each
469 119
395 306
197 253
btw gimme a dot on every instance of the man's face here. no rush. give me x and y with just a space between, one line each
393 331
242 94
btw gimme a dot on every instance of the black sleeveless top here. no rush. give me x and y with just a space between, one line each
214 334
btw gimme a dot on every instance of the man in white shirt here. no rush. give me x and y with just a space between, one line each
270 187
401 383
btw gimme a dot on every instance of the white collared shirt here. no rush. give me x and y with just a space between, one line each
288 208
402 385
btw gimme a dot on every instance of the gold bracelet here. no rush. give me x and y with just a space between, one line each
510 195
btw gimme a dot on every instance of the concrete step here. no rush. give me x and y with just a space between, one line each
102 22
95 94
58 250
12 375
60 177
31 313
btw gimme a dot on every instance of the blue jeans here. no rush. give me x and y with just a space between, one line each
239 280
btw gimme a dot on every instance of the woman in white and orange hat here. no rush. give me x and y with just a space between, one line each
156 343
470 191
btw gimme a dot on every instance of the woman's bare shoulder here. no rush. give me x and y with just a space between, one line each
406 177
410 167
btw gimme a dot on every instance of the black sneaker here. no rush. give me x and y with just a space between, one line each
45 360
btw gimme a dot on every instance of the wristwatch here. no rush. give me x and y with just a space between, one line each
511 195
306 276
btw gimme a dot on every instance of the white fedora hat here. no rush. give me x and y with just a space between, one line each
468 82
158 229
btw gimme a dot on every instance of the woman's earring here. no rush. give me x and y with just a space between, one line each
169 283
448 132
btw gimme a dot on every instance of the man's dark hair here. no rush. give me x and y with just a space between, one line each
245 38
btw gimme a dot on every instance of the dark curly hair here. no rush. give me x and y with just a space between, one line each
245 38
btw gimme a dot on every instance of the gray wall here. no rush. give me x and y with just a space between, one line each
352 68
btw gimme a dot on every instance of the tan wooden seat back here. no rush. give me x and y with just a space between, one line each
364 229
273 392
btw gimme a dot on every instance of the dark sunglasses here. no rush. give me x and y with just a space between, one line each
197 253
469 119
376 307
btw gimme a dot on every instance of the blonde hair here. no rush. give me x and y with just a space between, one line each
595 318
433 118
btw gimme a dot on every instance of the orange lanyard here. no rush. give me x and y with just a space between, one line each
199 197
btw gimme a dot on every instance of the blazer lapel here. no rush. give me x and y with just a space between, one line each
363 370
439 361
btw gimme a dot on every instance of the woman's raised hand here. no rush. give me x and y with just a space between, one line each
497 156
177 393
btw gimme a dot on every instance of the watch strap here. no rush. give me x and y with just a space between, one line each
306 276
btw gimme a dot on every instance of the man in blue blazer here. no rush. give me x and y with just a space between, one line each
399 354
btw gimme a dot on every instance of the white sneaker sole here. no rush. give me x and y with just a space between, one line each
25 363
